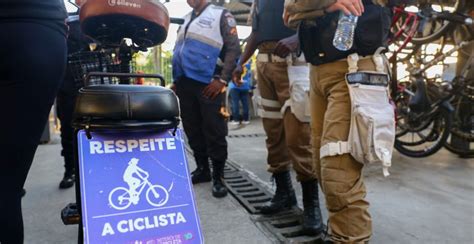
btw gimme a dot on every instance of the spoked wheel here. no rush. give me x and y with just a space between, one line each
423 137
431 29
120 198
461 140
419 133
157 195
459 146
428 30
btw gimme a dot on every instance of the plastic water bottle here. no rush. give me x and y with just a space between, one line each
344 37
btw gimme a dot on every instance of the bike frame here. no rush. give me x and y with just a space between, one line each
142 185
409 26
417 74
412 18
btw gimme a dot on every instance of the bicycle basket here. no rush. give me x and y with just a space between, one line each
83 62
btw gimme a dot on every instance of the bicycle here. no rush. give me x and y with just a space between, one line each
462 132
424 119
103 104
415 23
121 198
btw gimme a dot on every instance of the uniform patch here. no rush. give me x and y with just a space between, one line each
233 31
230 20
205 22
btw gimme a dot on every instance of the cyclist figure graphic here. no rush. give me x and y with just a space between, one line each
121 198
133 176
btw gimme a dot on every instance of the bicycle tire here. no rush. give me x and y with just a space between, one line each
459 151
403 149
405 127
112 200
433 37
164 199
441 31
432 134
457 133
460 103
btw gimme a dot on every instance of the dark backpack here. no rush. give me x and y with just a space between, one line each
372 31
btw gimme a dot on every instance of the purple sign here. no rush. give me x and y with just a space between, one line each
135 189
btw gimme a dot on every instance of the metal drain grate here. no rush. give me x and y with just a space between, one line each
246 135
250 194
285 227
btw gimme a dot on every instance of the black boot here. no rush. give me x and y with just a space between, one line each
202 173
312 220
218 188
284 198
68 180
69 169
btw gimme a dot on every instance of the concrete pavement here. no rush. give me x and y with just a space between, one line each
428 200
425 200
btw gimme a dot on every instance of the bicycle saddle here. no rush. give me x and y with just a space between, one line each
146 22
126 106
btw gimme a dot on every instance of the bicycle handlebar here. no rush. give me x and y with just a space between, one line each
178 21
453 17
124 75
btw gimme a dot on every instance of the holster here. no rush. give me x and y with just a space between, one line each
372 128
299 93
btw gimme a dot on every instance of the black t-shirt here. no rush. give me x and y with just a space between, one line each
48 12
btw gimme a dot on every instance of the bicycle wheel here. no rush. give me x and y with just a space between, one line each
459 146
119 198
424 139
157 195
429 30
461 140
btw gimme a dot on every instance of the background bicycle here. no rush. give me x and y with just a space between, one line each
423 46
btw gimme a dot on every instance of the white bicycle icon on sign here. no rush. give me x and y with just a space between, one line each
121 198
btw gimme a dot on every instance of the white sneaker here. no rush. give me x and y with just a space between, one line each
233 122
246 122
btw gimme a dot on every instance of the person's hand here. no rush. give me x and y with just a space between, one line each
214 88
237 75
285 17
355 7
286 46
239 82
173 87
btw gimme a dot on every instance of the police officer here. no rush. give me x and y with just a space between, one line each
340 176
66 99
206 51
288 138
